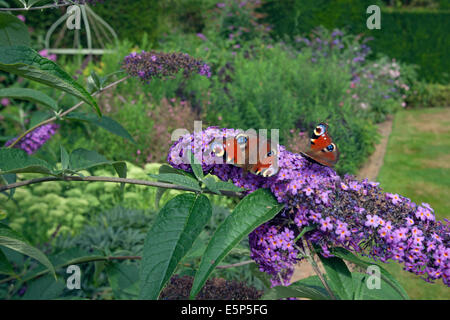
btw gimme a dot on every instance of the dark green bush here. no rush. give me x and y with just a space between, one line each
131 19
418 36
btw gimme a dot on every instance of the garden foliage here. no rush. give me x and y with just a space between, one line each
70 144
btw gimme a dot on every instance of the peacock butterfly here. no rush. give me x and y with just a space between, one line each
322 150
250 152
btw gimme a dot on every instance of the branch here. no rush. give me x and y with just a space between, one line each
114 180
65 112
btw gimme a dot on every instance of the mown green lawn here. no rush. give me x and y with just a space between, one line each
417 165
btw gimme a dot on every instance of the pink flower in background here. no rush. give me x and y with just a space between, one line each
5 102
21 17
45 54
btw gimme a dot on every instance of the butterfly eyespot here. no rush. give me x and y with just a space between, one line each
269 172
241 139
320 129
330 148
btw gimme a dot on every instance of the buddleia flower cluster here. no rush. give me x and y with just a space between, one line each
344 212
36 138
149 65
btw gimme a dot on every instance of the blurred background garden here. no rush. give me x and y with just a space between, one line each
274 64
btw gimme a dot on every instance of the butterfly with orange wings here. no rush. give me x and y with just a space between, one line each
322 150
249 153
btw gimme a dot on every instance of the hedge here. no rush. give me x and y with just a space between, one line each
418 36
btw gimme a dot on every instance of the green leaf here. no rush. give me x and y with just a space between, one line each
29 95
385 292
33 2
211 185
44 288
104 122
38 117
65 160
13 160
340 278
252 211
177 226
94 81
228 186
27 63
5 266
305 230
160 191
14 241
262 276
121 169
124 280
13 32
299 289
385 275
82 159
168 169
9 178
158 196
358 283
177 179
196 167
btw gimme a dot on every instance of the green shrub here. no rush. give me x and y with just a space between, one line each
430 95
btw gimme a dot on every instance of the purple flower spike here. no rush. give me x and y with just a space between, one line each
36 138
149 65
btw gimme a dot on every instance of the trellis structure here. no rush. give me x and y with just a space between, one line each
97 32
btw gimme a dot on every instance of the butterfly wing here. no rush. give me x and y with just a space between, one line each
322 149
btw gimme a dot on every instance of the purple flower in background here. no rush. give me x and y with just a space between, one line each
348 213
21 17
221 5
36 138
202 36
337 33
149 65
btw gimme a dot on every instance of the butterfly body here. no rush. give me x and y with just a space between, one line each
250 152
322 150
